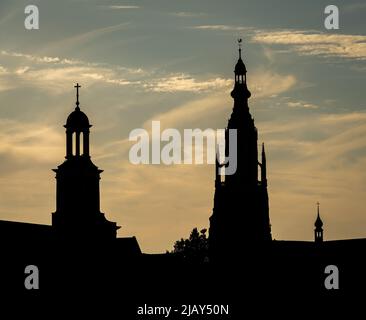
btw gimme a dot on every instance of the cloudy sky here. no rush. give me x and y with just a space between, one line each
172 60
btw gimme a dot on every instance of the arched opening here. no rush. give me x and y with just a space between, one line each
74 144
81 142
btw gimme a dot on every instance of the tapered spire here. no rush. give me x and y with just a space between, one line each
318 232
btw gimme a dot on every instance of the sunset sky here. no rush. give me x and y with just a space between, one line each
173 61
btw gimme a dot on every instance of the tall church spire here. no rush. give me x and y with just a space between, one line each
240 217
242 121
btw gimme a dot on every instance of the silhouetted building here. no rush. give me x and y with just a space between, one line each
77 218
239 227
77 196
240 217
318 231
240 223
12 232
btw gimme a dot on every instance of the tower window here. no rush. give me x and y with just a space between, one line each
74 144
81 142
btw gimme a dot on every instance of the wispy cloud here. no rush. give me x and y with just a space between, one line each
34 58
267 83
32 142
262 83
123 7
184 82
184 14
185 114
4 85
221 27
81 38
336 136
345 118
62 77
3 70
302 104
62 71
316 44
304 42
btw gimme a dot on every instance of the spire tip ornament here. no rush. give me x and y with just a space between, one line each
77 95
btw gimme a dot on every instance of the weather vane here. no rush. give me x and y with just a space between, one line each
240 40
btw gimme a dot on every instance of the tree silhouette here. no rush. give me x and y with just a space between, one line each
195 248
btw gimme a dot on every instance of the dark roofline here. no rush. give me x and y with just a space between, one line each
24 223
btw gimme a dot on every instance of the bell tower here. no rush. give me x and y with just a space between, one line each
78 212
240 217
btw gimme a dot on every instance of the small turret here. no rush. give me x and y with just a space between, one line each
318 231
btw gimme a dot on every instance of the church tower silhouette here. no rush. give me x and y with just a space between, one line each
318 231
78 212
240 217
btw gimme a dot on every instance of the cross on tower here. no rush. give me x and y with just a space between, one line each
77 93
